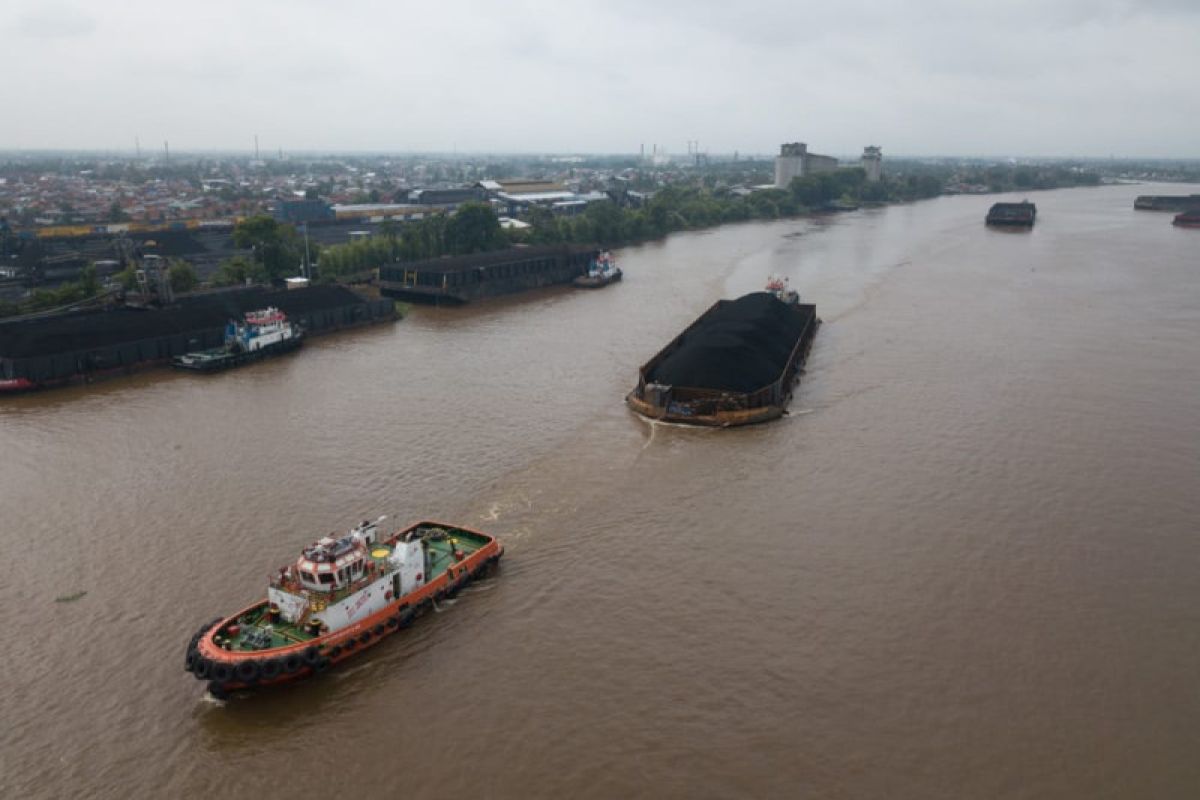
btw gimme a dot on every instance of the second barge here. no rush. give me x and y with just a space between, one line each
461 279
1012 215
735 365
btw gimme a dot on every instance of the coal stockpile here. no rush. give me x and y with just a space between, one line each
52 349
741 345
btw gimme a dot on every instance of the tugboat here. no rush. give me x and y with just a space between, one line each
261 334
601 272
341 596
780 288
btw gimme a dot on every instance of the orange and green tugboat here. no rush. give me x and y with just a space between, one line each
340 597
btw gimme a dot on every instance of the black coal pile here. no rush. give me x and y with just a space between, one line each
742 346
83 330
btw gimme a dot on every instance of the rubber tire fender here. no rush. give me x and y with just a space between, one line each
406 618
366 637
335 651
221 672
271 668
393 622
311 656
202 668
379 629
292 663
247 671
320 665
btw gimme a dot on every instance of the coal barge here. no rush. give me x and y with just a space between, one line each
735 365
83 346
1012 215
1167 202
461 279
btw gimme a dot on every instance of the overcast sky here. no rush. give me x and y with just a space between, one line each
919 77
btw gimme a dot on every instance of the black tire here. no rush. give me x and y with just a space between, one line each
202 667
393 622
246 671
292 663
406 619
321 665
271 668
350 644
379 629
366 637
335 651
217 691
221 672
189 663
311 656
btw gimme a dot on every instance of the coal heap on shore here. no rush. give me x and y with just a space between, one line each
740 346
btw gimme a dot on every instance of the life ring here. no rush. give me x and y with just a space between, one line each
292 662
221 672
246 671
271 669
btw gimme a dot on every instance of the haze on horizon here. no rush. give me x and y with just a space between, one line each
1087 78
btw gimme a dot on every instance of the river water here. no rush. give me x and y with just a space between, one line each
964 566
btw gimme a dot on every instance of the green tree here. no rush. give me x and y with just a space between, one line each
237 270
276 246
474 228
89 284
181 275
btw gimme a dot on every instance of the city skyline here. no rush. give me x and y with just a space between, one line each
1025 79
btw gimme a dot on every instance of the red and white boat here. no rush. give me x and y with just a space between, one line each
341 596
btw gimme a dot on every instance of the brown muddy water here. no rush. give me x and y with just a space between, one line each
966 565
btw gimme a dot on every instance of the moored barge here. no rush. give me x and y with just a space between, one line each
462 279
1188 219
736 364
1167 202
1012 215
340 597
45 351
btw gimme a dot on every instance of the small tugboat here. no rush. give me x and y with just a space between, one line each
341 596
601 272
780 288
261 334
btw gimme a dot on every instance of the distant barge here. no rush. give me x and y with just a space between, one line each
1188 219
83 346
461 279
735 365
1167 202
1012 215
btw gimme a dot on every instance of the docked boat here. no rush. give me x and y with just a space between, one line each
1012 215
260 334
341 596
602 271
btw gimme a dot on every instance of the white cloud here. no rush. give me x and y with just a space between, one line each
921 77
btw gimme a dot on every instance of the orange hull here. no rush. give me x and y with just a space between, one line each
231 670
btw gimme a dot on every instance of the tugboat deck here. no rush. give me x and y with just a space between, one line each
257 632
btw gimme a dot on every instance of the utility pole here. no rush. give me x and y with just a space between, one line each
256 147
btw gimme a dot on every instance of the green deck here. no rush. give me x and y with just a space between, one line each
439 555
